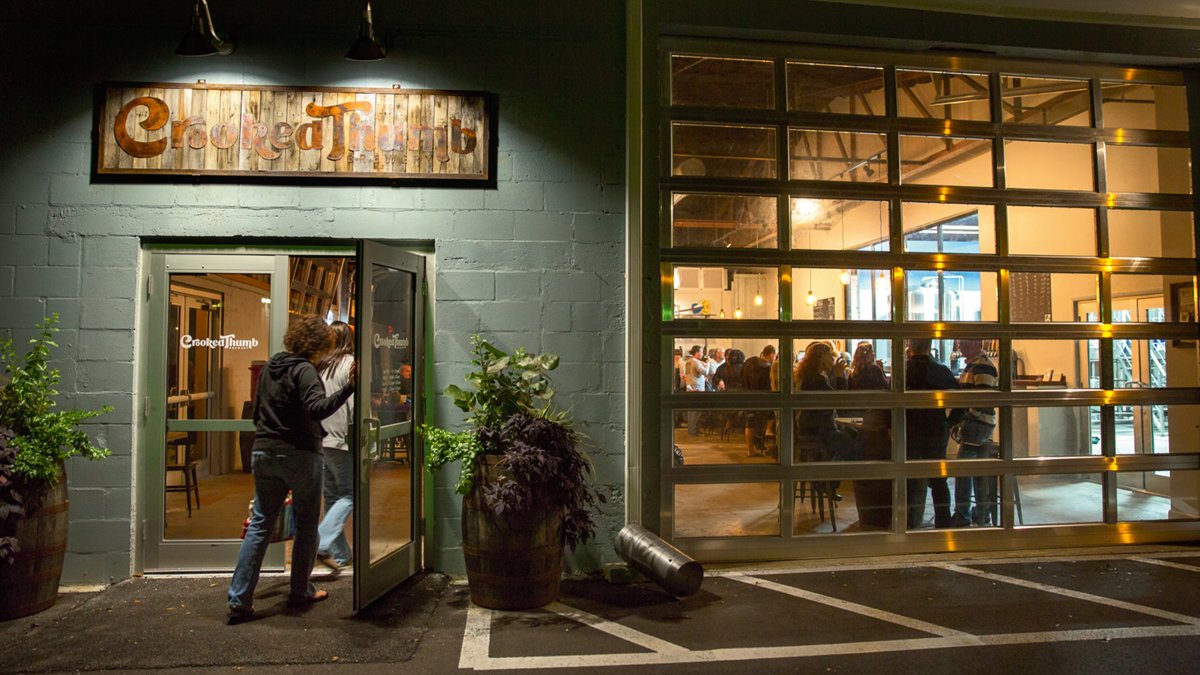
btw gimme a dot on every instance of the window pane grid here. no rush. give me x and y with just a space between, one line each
1046 296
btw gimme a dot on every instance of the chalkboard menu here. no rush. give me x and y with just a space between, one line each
824 310
1029 293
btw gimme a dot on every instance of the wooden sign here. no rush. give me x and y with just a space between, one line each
225 130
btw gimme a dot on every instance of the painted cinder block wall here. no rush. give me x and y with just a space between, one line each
537 262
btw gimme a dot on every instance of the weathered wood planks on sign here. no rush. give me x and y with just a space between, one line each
227 130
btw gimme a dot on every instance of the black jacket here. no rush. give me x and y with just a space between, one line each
927 427
818 422
291 403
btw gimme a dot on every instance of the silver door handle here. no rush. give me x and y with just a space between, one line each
367 453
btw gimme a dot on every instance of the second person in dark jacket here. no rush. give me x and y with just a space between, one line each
927 432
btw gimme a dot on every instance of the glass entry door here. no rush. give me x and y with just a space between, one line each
211 324
388 408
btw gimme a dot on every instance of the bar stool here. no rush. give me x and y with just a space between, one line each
184 446
821 492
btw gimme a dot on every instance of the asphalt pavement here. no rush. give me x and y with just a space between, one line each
1097 611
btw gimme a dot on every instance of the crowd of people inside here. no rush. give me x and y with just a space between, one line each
827 434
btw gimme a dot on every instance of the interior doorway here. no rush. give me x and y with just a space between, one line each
212 321
1137 364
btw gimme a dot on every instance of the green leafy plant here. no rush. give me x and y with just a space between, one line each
44 436
35 437
511 415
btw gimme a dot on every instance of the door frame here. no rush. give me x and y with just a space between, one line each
154 298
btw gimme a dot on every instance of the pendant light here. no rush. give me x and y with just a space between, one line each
737 313
845 277
758 298
201 38
366 47
811 298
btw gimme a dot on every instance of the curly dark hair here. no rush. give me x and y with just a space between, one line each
307 335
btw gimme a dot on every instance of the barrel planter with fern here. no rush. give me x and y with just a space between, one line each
29 584
513 559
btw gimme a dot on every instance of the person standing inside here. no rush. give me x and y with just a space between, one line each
333 551
928 432
756 376
695 375
716 359
974 434
288 409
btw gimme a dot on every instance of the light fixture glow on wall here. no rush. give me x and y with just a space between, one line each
201 38
805 210
366 47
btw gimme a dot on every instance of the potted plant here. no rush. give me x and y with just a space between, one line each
35 440
525 481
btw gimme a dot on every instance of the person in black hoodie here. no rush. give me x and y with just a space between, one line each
928 430
288 410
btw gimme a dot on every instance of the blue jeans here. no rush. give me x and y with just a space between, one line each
276 472
339 503
975 443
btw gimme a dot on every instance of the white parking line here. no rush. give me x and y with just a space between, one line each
616 630
808 651
477 639
1168 563
846 605
1078 595
476 645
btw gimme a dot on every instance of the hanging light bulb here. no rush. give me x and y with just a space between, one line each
811 298
721 315
845 278
737 313
758 299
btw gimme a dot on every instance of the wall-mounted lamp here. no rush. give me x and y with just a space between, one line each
366 47
201 38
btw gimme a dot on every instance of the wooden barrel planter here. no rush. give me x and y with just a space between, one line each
30 584
514 560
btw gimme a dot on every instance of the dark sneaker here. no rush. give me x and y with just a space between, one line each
238 614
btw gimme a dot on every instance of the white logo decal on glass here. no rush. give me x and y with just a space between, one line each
391 342
230 341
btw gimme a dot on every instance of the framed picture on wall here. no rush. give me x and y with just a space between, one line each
1183 309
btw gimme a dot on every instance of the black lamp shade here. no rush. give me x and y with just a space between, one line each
365 47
